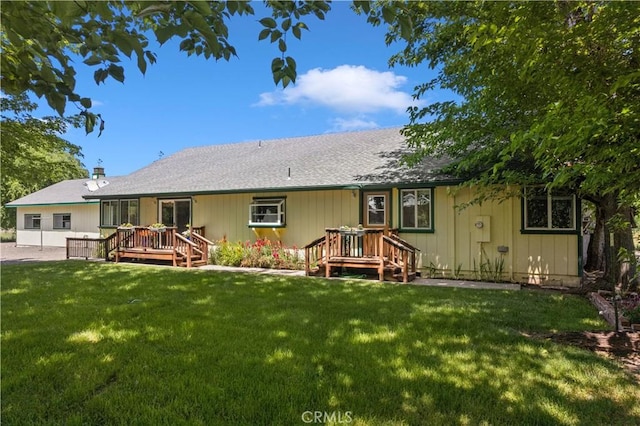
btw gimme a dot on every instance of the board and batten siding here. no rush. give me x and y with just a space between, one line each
84 223
308 213
457 243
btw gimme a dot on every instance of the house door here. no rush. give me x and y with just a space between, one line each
376 209
175 213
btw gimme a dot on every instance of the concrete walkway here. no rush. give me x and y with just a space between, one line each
433 282
10 253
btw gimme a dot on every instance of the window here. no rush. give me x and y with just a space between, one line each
117 212
416 209
267 212
31 221
62 221
549 211
376 212
129 212
175 213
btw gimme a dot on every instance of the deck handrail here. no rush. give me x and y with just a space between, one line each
367 246
184 243
313 253
202 243
401 255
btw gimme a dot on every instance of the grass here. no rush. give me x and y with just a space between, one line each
94 343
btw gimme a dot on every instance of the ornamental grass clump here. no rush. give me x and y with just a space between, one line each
262 253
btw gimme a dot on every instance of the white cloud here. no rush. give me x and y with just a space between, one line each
346 88
345 125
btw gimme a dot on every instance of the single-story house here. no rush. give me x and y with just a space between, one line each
48 216
293 189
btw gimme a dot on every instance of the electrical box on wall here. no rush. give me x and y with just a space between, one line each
483 229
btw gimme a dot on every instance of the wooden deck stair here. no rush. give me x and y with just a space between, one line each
145 243
372 248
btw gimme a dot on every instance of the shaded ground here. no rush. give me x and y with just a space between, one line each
623 346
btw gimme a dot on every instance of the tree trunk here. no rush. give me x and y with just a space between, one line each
609 237
597 242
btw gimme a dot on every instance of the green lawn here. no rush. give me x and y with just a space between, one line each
94 343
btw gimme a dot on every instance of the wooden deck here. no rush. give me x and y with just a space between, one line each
371 248
145 243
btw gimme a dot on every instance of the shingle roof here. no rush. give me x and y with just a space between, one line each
328 160
65 192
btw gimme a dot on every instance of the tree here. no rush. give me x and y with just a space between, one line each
550 94
40 40
33 155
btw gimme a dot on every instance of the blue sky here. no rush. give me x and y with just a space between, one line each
344 84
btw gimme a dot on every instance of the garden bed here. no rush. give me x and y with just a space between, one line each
628 308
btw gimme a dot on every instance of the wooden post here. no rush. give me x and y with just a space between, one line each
380 254
117 245
327 268
405 267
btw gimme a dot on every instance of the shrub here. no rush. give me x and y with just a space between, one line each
263 253
631 307
226 254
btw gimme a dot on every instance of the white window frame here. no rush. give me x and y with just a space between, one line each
551 198
415 192
62 221
274 217
30 219
369 209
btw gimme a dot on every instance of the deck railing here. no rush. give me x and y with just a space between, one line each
355 246
91 248
145 237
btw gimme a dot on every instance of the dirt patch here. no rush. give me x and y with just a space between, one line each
623 346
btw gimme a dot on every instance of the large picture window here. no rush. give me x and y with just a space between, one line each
117 212
62 221
549 211
417 209
267 212
31 221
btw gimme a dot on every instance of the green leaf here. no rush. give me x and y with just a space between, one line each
296 32
117 72
388 14
276 65
232 7
93 60
142 64
275 35
264 34
89 122
286 24
365 6
100 75
164 33
85 102
268 22
282 46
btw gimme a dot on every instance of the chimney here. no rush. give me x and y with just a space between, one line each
98 172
